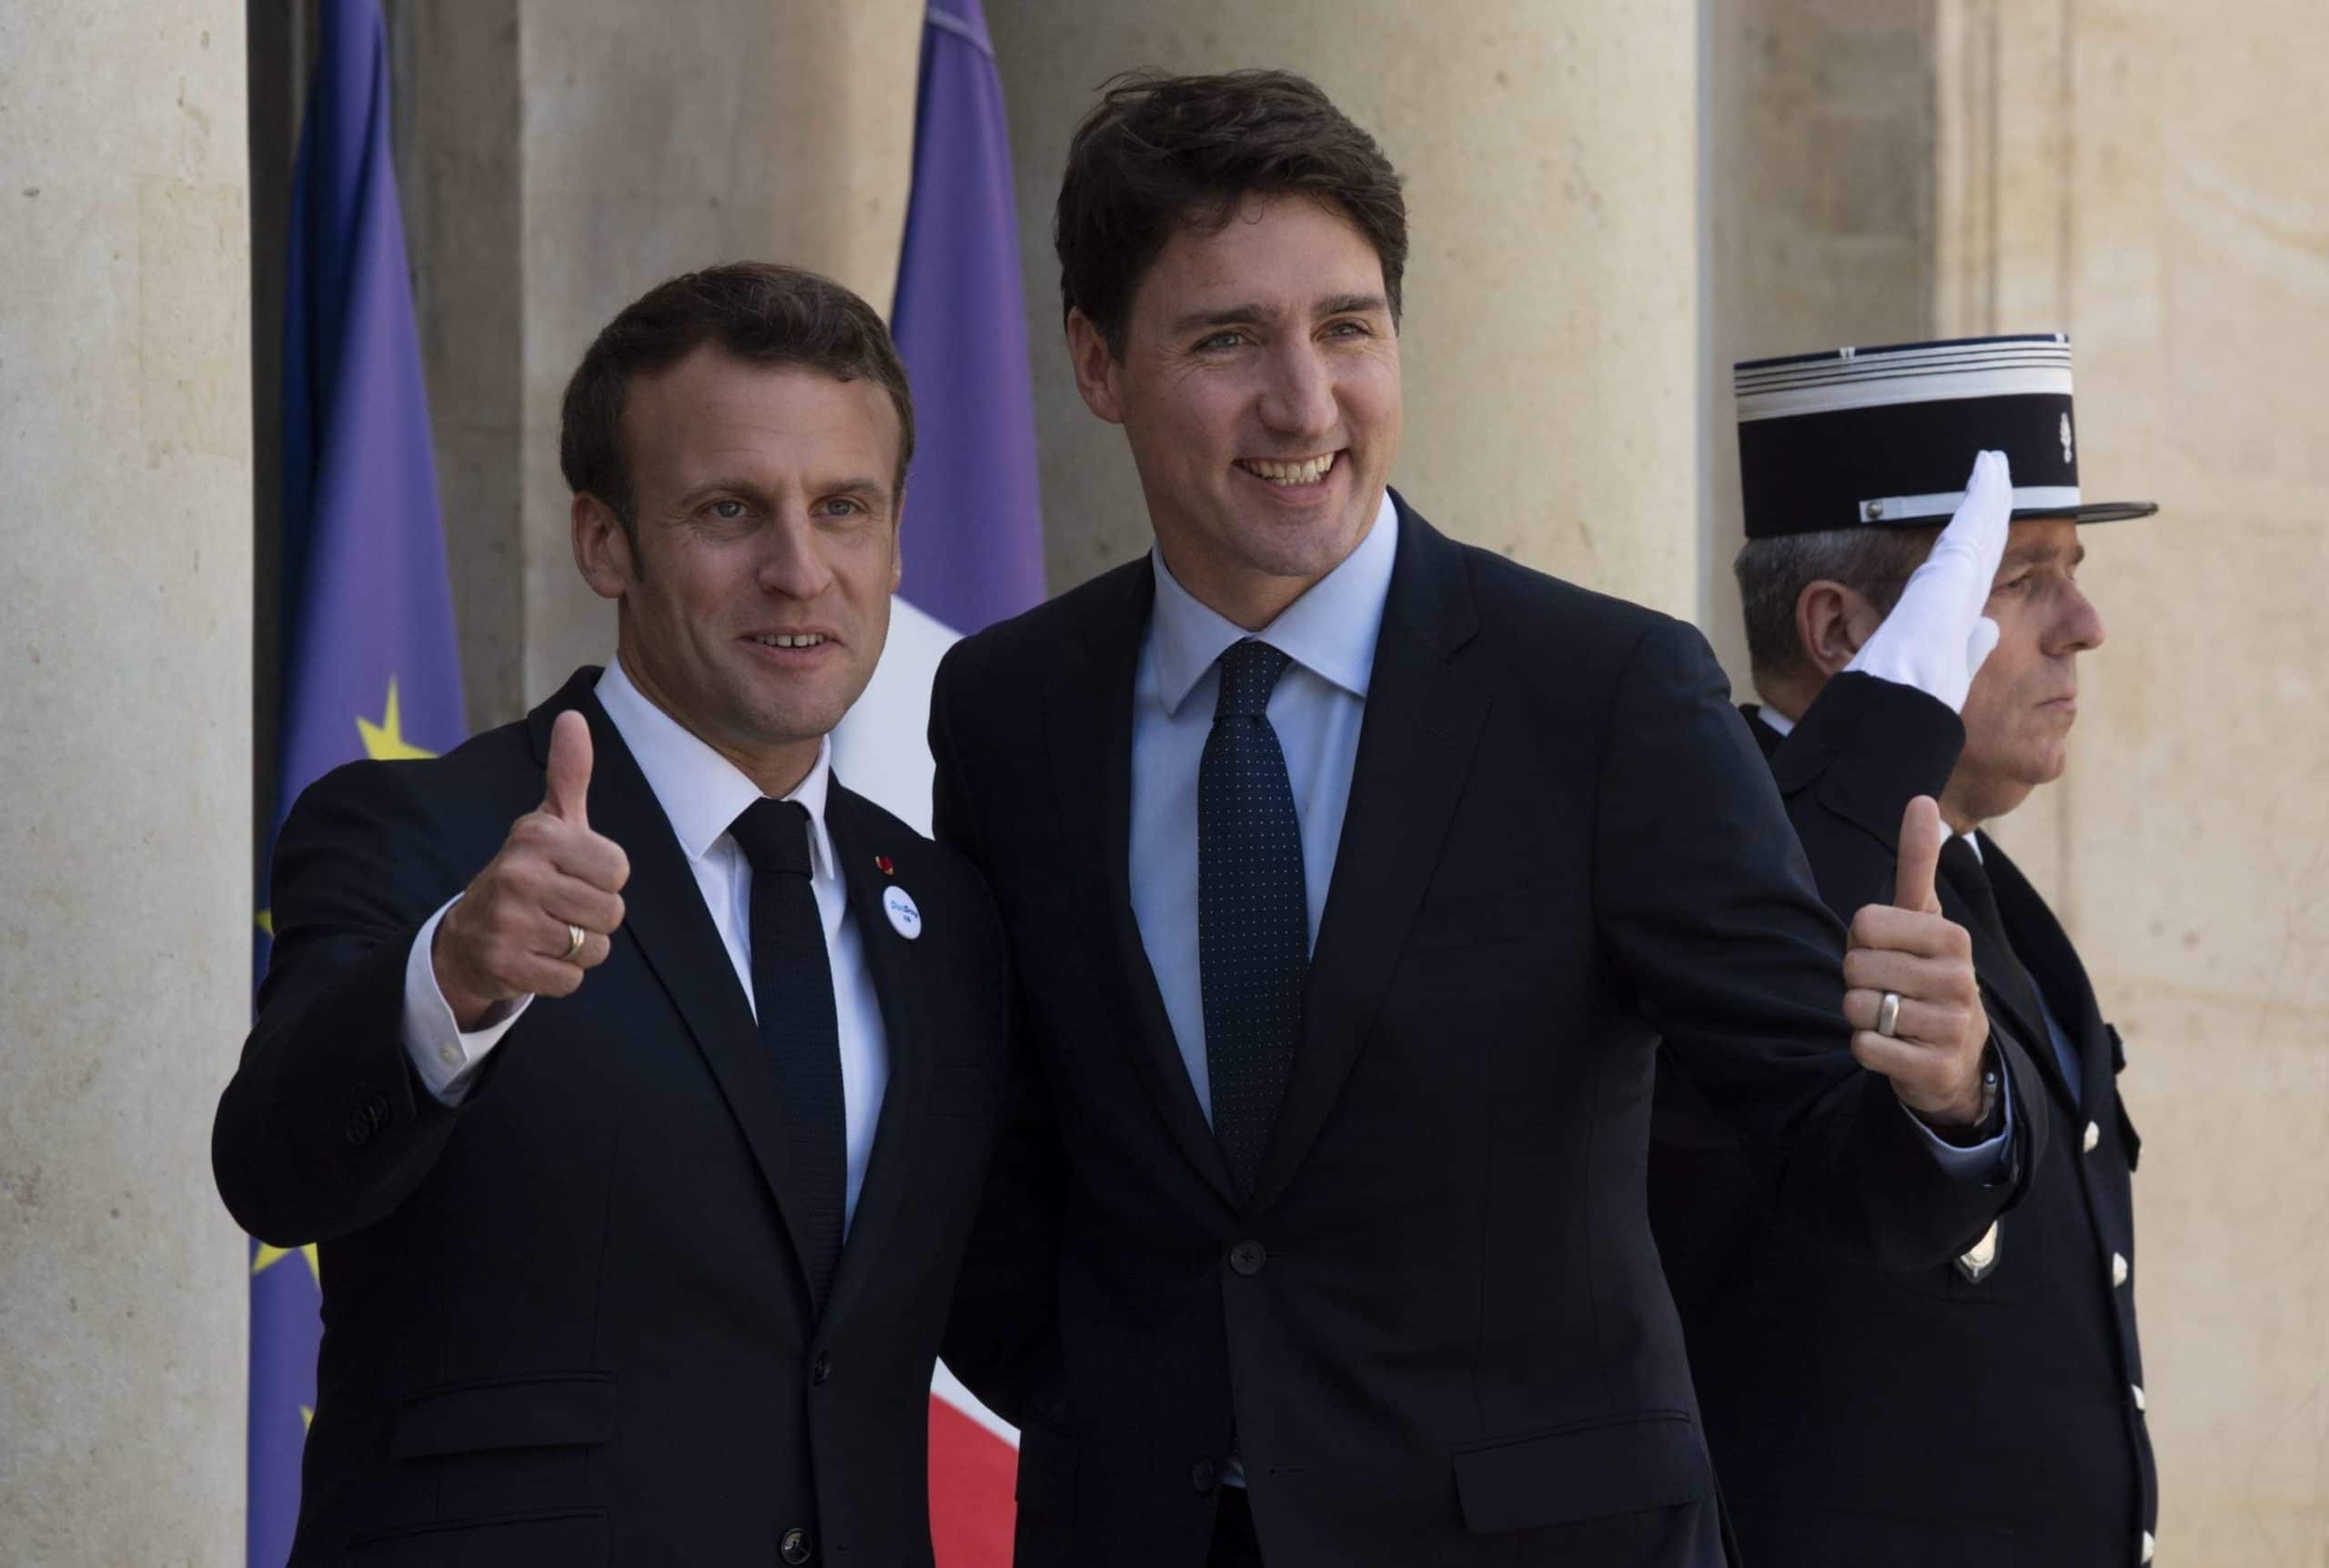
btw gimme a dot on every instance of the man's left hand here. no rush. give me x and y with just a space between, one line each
1910 949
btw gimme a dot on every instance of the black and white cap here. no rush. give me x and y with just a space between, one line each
1857 436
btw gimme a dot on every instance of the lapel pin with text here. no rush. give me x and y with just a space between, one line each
905 918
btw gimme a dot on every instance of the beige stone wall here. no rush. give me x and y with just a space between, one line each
124 745
570 154
1818 201
1550 341
2147 175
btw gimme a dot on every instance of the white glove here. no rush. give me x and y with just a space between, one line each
1936 637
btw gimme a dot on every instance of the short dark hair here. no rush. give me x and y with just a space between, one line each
761 311
1161 154
1873 562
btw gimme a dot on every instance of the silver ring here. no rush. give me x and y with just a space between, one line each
575 938
1887 1014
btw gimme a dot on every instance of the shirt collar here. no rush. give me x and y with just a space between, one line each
700 791
1330 630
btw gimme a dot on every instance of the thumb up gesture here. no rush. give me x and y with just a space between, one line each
538 918
1911 998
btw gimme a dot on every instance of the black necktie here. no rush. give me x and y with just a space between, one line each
1964 872
1253 916
792 991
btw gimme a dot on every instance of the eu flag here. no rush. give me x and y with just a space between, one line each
369 664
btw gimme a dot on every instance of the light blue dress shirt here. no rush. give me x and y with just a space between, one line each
1317 709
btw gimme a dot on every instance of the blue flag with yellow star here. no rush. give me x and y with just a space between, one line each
370 667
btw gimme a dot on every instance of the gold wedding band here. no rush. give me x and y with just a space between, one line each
1887 1014
574 940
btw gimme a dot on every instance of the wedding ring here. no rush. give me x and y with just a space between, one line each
575 938
1887 1014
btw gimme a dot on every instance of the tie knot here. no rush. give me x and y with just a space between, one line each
1962 865
774 836
1249 670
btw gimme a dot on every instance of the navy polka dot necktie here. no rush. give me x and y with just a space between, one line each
1253 917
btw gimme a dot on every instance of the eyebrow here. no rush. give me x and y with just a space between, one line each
1253 311
2038 555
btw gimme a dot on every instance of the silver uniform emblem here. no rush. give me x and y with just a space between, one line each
2066 438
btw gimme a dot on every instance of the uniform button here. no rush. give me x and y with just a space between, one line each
821 1368
2148 1544
1247 1258
357 1130
1202 1476
2093 1137
2138 1396
795 1548
451 1056
2118 1270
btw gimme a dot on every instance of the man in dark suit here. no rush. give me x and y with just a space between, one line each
1987 1408
635 1075
1351 875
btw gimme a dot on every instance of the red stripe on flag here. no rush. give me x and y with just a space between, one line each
972 1474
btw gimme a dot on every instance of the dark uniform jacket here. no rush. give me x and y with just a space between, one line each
1985 1411
1437 1332
565 1323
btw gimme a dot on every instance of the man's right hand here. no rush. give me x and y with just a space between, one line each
511 934
1936 636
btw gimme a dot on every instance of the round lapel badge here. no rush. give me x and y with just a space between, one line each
905 918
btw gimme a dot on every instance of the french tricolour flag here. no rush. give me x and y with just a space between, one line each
973 555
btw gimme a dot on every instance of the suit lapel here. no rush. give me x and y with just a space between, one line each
2053 964
2000 972
664 915
1089 725
1415 749
899 969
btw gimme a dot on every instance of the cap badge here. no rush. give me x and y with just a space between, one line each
2066 438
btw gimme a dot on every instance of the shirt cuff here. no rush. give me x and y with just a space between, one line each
446 1058
1984 1161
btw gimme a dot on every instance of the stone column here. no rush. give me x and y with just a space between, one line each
1551 336
126 744
2146 175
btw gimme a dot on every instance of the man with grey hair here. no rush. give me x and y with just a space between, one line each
1989 1409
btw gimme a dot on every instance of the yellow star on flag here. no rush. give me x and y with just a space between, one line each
269 1256
385 742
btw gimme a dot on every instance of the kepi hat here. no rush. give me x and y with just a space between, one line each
1856 438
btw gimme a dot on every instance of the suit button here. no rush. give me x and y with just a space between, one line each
2118 1270
1202 1476
795 1548
2093 1137
1247 1258
821 1368
357 1130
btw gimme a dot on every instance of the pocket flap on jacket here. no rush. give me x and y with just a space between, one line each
1623 1465
547 1409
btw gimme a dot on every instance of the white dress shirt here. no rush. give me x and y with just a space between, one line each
1317 709
702 792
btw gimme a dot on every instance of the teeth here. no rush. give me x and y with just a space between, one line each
1307 473
806 640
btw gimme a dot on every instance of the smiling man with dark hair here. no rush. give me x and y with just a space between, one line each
633 1073
1351 875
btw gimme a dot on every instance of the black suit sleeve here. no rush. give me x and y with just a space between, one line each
1002 1333
326 1127
1707 905
1864 750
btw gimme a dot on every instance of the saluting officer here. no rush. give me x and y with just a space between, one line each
1990 1410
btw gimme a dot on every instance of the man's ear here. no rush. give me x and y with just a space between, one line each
1831 621
1096 368
898 543
601 548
